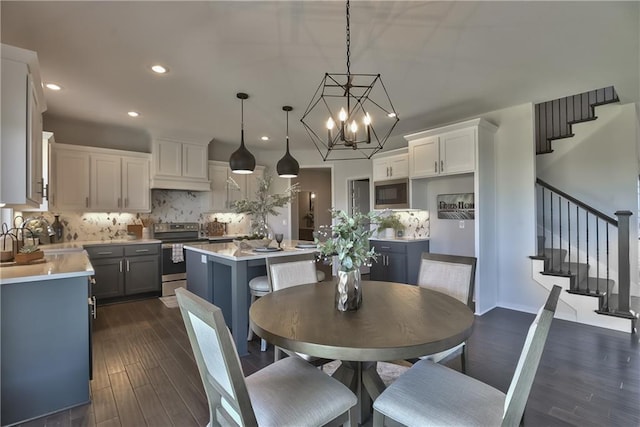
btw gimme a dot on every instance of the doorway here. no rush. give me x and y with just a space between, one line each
359 197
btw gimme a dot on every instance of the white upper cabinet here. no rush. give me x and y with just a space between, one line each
180 165
70 172
444 151
22 178
136 192
222 195
388 167
100 180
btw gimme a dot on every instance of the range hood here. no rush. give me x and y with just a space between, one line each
180 165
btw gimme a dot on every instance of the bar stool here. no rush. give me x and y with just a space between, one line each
258 287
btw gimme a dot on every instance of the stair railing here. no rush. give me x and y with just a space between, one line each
585 233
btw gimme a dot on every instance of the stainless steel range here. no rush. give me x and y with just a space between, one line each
174 268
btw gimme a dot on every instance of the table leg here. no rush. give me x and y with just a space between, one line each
363 379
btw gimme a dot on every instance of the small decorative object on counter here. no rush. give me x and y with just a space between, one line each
348 239
215 228
28 254
58 229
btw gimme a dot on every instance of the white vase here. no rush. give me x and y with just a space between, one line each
389 233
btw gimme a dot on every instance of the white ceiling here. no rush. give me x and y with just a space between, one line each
440 61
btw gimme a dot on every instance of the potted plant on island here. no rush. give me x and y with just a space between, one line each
348 240
263 205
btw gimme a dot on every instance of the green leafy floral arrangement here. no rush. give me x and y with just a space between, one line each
391 220
264 203
348 238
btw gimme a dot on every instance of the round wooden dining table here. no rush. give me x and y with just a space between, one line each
396 321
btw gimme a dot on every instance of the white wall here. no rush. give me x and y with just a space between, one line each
515 208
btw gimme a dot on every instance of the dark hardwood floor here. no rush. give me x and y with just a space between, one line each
144 372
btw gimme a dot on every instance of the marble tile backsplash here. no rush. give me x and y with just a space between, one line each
183 206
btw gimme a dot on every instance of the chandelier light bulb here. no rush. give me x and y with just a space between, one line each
330 123
367 119
354 127
342 115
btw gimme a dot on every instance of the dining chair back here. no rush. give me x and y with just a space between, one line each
292 270
453 275
432 394
306 396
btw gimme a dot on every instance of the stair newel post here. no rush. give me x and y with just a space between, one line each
624 279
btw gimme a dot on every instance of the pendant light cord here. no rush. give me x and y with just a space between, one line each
287 131
348 42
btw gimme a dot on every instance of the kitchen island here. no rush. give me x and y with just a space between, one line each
45 336
220 274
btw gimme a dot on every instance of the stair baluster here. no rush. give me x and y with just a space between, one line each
589 239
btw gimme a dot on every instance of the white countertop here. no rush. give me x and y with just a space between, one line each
57 266
232 252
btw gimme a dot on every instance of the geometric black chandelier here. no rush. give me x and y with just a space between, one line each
350 115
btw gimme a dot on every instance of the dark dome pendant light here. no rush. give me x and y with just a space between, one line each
287 167
242 161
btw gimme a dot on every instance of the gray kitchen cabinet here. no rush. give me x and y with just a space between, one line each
397 261
124 270
45 330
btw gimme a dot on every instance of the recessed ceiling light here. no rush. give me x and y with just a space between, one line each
158 69
391 114
133 114
264 138
53 86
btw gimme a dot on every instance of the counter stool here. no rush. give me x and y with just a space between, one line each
259 287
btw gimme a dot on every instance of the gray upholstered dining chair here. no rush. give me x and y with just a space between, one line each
305 395
285 272
455 276
433 394
260 286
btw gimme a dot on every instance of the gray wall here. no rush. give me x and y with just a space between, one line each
446 235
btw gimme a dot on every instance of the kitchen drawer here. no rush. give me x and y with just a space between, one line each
393 247
105 251
148 249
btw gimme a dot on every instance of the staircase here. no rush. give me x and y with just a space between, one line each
554 119
587 254
580 248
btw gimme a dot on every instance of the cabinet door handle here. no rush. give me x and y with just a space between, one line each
120 266
390 170
45 190
441 165
126 202
385 247
127 265
435 166
105 253
86 202
142 250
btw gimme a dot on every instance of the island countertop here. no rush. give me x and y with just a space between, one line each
56 266
231 252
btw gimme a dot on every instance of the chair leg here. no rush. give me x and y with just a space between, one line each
277 353
378 419
263 345
463 359
250 335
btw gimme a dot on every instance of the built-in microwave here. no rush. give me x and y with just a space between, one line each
392 194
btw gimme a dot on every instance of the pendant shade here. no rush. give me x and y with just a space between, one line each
287 167
242 161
